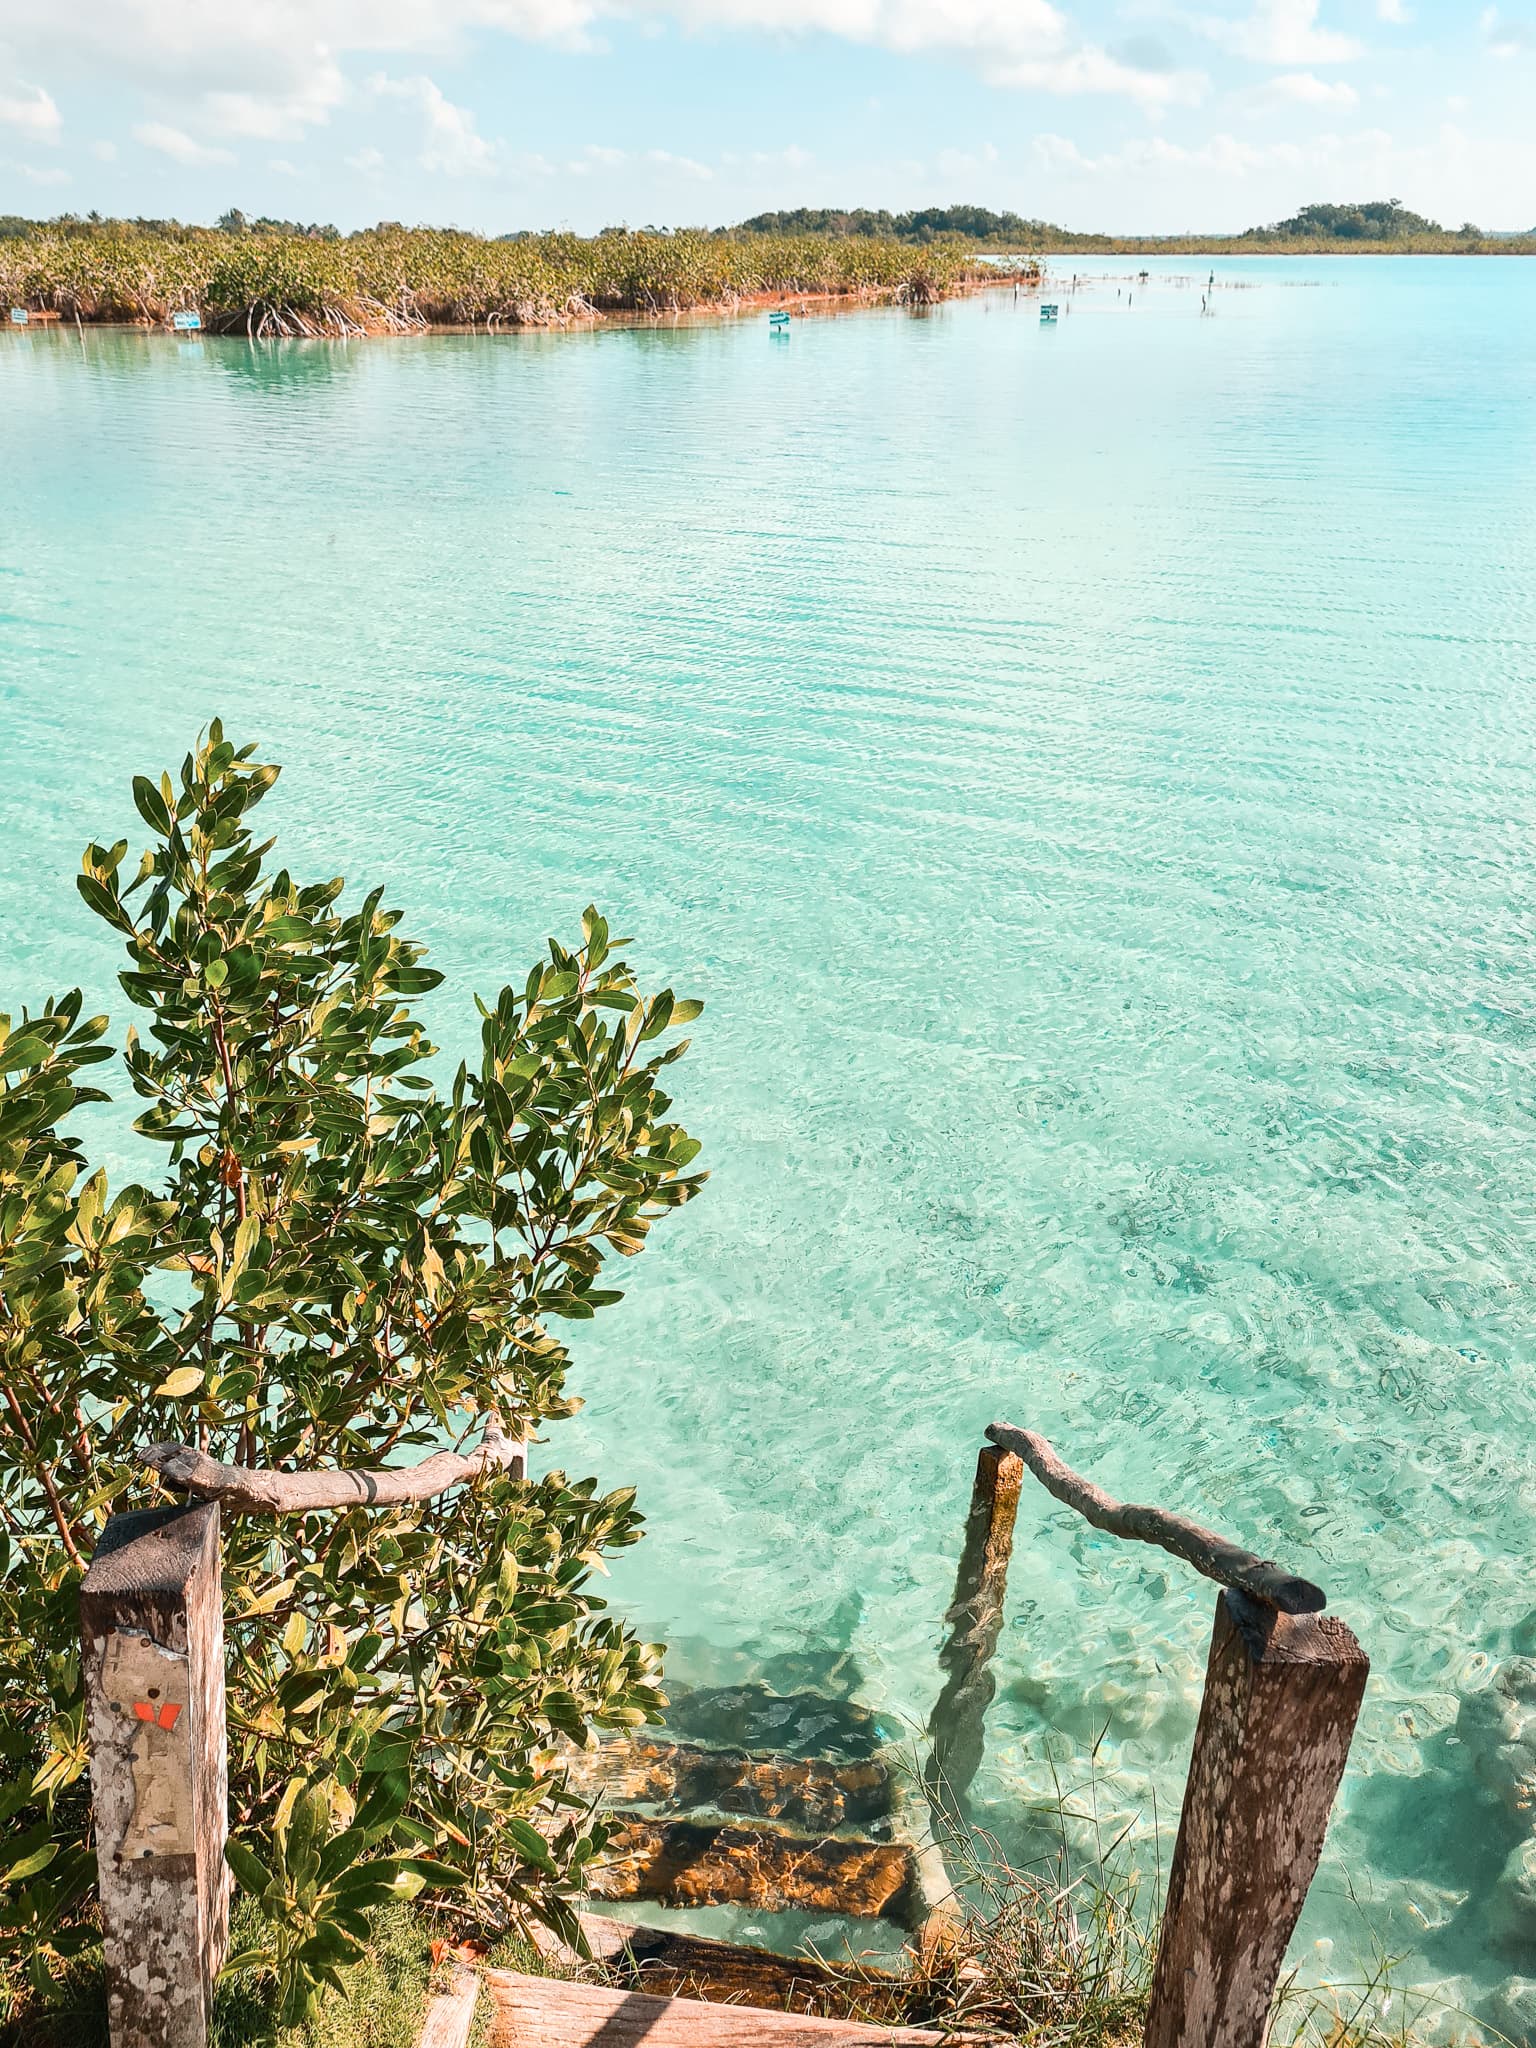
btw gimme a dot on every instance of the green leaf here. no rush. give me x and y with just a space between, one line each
248 1959
384 1801
412 981
151 806
23 1050
529 1843
103 902
186 1379
443 1876
251 1874
29 1866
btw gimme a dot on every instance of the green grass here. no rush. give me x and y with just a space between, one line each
1062 1957
385 1998
1046 1958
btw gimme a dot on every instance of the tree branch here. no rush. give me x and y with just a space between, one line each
1209 1553
298 1493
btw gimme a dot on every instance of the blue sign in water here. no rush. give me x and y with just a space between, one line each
18 316
778 319
186 323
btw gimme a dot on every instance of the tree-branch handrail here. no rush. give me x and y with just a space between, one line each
255 1491
1227 1563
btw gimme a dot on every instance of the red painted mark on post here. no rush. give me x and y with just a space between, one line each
165 1718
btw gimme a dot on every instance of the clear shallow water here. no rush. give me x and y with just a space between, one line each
1090 775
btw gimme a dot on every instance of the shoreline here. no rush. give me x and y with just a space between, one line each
236 327
1524 245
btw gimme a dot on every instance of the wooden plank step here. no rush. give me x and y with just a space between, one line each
675 1964
541 2012
451 2013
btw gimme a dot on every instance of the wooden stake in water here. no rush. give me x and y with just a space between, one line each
1282 1693
152 1629
975 1618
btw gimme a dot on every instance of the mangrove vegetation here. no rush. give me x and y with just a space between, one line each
391 279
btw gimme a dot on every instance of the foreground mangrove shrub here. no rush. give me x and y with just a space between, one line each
341 1266
394 279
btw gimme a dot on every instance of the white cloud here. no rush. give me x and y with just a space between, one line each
685 166
106 152
278 68
1225 156
283 167
1283 32
1506 36
276 117
595 157
955 164
270 69
1393 11
35 175
173 142
1306 89
1028 44
368 161
453 146
36 114
1089 69
1451 173
992 28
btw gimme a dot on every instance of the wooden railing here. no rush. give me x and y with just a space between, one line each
1283 1686
152 1628
1282 1691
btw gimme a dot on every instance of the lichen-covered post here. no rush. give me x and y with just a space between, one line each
1282 1692
151 1613
975 1617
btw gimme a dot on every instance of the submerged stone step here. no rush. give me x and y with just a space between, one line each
799 1724
806 1792
714 1863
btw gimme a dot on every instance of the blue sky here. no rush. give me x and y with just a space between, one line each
1135 115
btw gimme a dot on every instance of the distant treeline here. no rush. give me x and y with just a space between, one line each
1384 224
1369 223
14 225
925 224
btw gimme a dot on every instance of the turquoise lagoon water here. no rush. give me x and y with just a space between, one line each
1090 774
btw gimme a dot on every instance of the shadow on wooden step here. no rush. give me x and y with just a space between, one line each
673 1964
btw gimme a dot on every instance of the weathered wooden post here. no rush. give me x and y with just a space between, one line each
1282 1693
975 1617
152 1627
1283 1688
